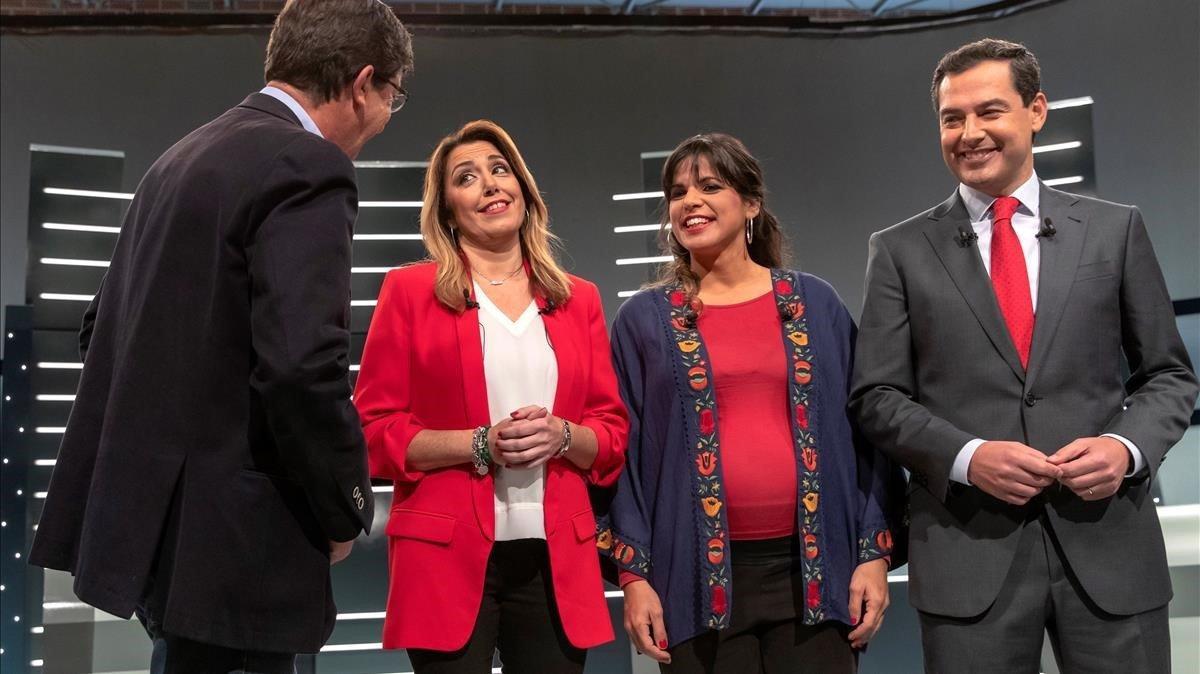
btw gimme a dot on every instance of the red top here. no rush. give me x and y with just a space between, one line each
750 380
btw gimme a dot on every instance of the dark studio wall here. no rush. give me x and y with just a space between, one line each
843 126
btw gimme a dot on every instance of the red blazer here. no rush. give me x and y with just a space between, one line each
422 367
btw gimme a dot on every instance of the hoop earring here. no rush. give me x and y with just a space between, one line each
749 231
668 237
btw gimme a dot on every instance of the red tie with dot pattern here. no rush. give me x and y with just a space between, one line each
1010 278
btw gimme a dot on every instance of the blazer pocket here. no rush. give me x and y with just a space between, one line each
431 527
584 524
1094 270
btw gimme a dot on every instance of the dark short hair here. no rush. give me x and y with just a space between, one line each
1026 73
320 46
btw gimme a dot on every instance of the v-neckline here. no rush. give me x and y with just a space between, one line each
516 327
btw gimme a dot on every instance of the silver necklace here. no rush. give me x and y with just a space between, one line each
503 280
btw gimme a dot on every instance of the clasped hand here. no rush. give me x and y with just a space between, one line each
528 438
1092 468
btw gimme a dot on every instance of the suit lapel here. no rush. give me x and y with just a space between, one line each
474 387
1056 271
966 270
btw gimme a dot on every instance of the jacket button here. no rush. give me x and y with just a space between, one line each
1030 400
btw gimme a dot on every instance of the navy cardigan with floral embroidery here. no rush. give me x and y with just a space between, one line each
667 519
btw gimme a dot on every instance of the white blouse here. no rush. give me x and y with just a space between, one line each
520 369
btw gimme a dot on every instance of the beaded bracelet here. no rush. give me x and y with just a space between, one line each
480 456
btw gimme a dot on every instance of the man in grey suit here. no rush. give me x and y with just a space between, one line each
989 364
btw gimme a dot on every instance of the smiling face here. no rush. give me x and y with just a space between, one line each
708 216
482 193
986 130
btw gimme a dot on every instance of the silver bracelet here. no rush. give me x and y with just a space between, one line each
566 441
480 456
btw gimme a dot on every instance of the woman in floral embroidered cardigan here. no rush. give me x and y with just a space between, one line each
742 468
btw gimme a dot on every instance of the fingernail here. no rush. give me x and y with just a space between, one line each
662 644
853 621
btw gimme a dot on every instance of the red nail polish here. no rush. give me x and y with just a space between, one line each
662 644
854 621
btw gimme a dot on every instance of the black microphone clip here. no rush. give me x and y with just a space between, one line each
468 302
548 309
966 237
1046 231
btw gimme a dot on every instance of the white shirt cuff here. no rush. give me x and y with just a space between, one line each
1136 454
958 472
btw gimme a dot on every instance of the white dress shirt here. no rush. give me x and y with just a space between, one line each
520 369
1026 224
284 97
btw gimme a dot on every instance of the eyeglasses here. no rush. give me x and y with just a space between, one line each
399 98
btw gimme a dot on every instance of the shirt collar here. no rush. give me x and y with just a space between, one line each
283 97
978 203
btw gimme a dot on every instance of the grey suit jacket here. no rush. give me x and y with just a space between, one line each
936 368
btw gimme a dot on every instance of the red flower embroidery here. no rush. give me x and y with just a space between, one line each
813 594
783 287
809 456
718 600
678 297
802 416
884 541
707 463
706 421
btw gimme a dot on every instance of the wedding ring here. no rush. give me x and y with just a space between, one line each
1090 492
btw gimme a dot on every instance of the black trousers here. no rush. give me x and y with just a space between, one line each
1041 594
766 633
176 655
517 617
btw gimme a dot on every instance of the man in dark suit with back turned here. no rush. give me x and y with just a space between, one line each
989 364
213 466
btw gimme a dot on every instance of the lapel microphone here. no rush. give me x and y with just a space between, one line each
1046 231
468 302
966 236
548 309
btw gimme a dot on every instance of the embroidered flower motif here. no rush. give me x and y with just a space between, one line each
604 539
809 456
783 286
712 505
706 462
677 297
689 345
803 372
884 540
716 550
719 605
798 338
810 502
624 553
706 421
698 378
802 416
810 546
812 594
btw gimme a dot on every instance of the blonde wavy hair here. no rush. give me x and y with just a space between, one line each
537 241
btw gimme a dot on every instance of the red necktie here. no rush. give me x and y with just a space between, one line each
1010 278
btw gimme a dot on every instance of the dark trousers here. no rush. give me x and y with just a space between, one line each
766 632
1039 595
176 655
517 617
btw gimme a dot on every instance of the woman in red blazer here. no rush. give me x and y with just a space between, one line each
487 395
